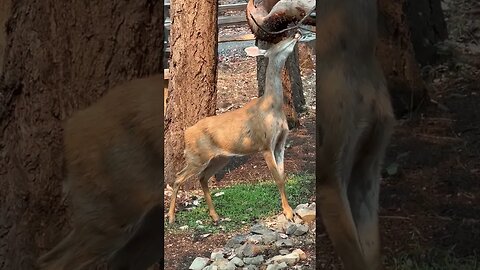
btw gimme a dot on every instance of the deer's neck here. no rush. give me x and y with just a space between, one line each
273 80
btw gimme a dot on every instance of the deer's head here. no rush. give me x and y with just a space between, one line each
270 20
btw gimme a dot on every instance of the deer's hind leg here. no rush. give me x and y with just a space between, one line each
363 193
275 163
187 172
214 166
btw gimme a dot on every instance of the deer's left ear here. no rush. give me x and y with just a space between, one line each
254 51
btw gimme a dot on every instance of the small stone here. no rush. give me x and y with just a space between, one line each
236 241
211 267
306 213
250 250
184 227
301 230
284 251
260 229
300 253
255 239
283 236
199 263
254 250
272 267
284 243
291 228
257 260
281 221
217 254
276 266
270 238
309 242
224 264
250 267
237 261
289 259
297 219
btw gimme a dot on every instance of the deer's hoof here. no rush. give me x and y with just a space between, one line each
289 214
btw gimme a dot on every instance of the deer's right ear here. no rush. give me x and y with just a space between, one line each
254 51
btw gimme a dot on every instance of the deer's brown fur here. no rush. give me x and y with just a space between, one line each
355 122
114 161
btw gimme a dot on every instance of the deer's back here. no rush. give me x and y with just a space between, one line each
113 154
244 131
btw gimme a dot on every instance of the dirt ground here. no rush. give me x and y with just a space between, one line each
432 200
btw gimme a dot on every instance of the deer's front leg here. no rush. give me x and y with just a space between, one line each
279 177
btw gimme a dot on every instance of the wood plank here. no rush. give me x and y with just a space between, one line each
222 21
221 8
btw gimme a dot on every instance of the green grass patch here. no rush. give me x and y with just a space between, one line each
244 203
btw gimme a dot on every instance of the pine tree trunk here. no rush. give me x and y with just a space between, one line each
193 75
397 57
57 57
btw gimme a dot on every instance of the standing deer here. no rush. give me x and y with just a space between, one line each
114 161
355 119
259 126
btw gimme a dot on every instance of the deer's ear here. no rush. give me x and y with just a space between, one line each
254 51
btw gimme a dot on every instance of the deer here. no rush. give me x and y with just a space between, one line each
259 126
114 181
355 119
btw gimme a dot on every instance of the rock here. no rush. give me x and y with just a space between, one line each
301 230
283 251
276 266
217 254
250 267
269 238
284 243
289 259
260 229
236 241
300 254
199 263
237 261
309 242
305 212
290 228
255 239
281 222
283 236
211 267
297 219
224 264
257 260
250 250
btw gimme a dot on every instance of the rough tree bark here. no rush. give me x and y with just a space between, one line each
427 27
294 100
193 75
57 57
397 57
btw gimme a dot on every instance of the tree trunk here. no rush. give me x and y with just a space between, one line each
57 57
397 57
294 100
193 75
427 27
